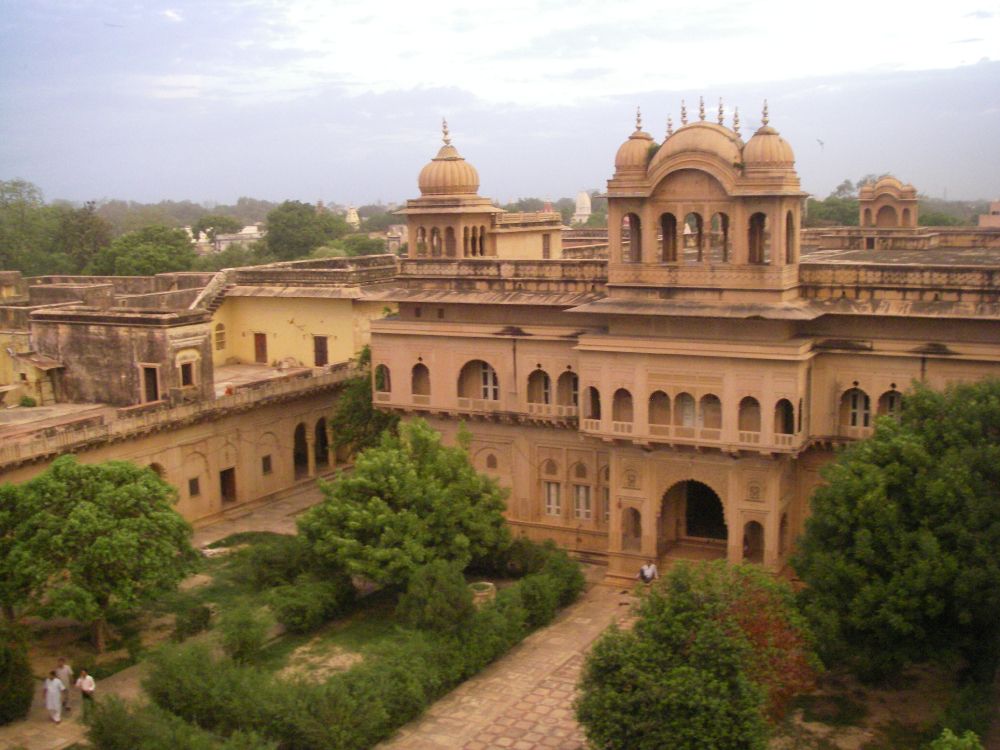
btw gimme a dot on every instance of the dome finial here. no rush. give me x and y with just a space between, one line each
638 119
736 121
721 112
764 119
684 113
444 132
701 108
670 126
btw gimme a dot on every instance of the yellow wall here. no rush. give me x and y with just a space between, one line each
528 244
290 324
16 341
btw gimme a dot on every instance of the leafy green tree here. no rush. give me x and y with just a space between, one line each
437 598
409 500
145 252
835 210
26 227
566 208
17 685
934 218
215 224
81 234
683 677
111 536
236 255
356 424
900 552
295 229
360 244
950 741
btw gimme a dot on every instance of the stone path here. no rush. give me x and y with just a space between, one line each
524 700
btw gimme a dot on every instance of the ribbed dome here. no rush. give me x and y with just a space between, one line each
704 137
448 173
768 149
633 155
888 184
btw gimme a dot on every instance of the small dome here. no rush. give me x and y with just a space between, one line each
448 173
768 149
633 155
892 186
704 137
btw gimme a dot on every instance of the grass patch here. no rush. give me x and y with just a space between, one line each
244 537
838 710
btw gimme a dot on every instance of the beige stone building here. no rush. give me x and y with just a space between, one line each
678 398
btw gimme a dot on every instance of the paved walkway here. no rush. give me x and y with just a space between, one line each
524 700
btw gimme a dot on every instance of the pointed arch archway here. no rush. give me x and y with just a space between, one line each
692 520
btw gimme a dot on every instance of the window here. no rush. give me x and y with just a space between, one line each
860 407
440 313
606 499
383 382
260 348
546 247
581 502
150 384
553 503
220 337
416 312
265 465
491 461
321 356
194 487
187 374
490 382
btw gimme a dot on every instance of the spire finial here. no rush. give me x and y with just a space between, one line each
721 112
444 132
684 113
670 126
701 108
764 119
638 119
736 121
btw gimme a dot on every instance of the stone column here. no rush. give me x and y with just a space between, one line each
311 451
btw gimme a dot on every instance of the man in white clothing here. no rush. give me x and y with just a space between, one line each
65 674
648 572
53 692
86 685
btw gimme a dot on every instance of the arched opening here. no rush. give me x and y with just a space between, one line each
784 417
435 242
684 413
659 412
631 530
420 380
621 406
551 488
753 542
220 337
592 403
383 383
631 235
491 461
710 412
791 253
867 221
421 241
550 468
568 389
783 535
539 388
668 241
759 239
158 470
479 380
583 509
694 238
749 420
482 240
719 238
300 452
855 408
321 446
890 404
907 220
449 242
692 513
887 217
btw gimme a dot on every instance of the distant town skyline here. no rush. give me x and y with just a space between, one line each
309 101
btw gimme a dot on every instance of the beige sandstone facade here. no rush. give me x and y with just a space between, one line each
679 398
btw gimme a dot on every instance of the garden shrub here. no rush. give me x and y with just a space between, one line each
566 573
437 598
308 603
540 594
276 561
17 685
191 621
27 401
243 632
950 741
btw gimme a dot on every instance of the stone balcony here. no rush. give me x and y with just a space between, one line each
553 414
672 434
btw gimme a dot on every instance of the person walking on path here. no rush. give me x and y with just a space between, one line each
53 692
648 572
65 674
85 683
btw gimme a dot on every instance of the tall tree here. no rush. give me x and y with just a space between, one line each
81 234
410 500
215 224
295 229
356 424
146 252
900 553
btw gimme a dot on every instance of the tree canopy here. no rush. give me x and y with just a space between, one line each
215 224
96 539
716 649
356 424
295 229
410 500
146 252
900 553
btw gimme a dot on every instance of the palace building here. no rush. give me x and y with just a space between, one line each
678 398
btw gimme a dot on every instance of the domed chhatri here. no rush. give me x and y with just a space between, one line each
448 173
768 149
702 136
633 155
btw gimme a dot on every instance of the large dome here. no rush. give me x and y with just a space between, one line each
703 137
633 155
768 149
448 173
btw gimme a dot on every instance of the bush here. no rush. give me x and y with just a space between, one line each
566 574
308 603
274 562
192 621
27 401
243 632
540 595
437 598
949 741
17 684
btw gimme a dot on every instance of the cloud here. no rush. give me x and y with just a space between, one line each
172 15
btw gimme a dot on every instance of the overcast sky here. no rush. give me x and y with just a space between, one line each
342 100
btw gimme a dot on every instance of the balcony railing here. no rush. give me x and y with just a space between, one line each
383 396
421 399
478 404
622 428
591 425
856 433
749 437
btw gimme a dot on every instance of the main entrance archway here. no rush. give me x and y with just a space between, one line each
692 522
